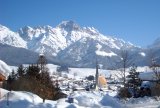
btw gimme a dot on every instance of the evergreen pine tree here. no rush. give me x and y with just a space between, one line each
21 71
13 75
35 79
9 83
33 71
133 80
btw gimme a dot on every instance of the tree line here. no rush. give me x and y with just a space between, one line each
34 78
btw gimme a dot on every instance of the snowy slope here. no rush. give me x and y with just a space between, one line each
83 52
10 38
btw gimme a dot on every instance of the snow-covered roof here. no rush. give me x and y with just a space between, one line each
4 68
147 76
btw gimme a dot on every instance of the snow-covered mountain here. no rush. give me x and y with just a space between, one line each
11 38
43 39
67 43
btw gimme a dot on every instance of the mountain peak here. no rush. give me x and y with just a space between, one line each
27 28
69 25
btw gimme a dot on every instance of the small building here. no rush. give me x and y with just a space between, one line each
149 85
102 82
2 79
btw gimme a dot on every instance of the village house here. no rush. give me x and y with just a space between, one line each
2 79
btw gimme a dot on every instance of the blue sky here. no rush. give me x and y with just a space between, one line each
137 21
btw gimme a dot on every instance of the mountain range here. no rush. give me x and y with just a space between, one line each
68 44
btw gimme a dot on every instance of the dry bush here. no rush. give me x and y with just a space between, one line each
124 93
155 91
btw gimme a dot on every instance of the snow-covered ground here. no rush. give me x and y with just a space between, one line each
145 102
82 99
